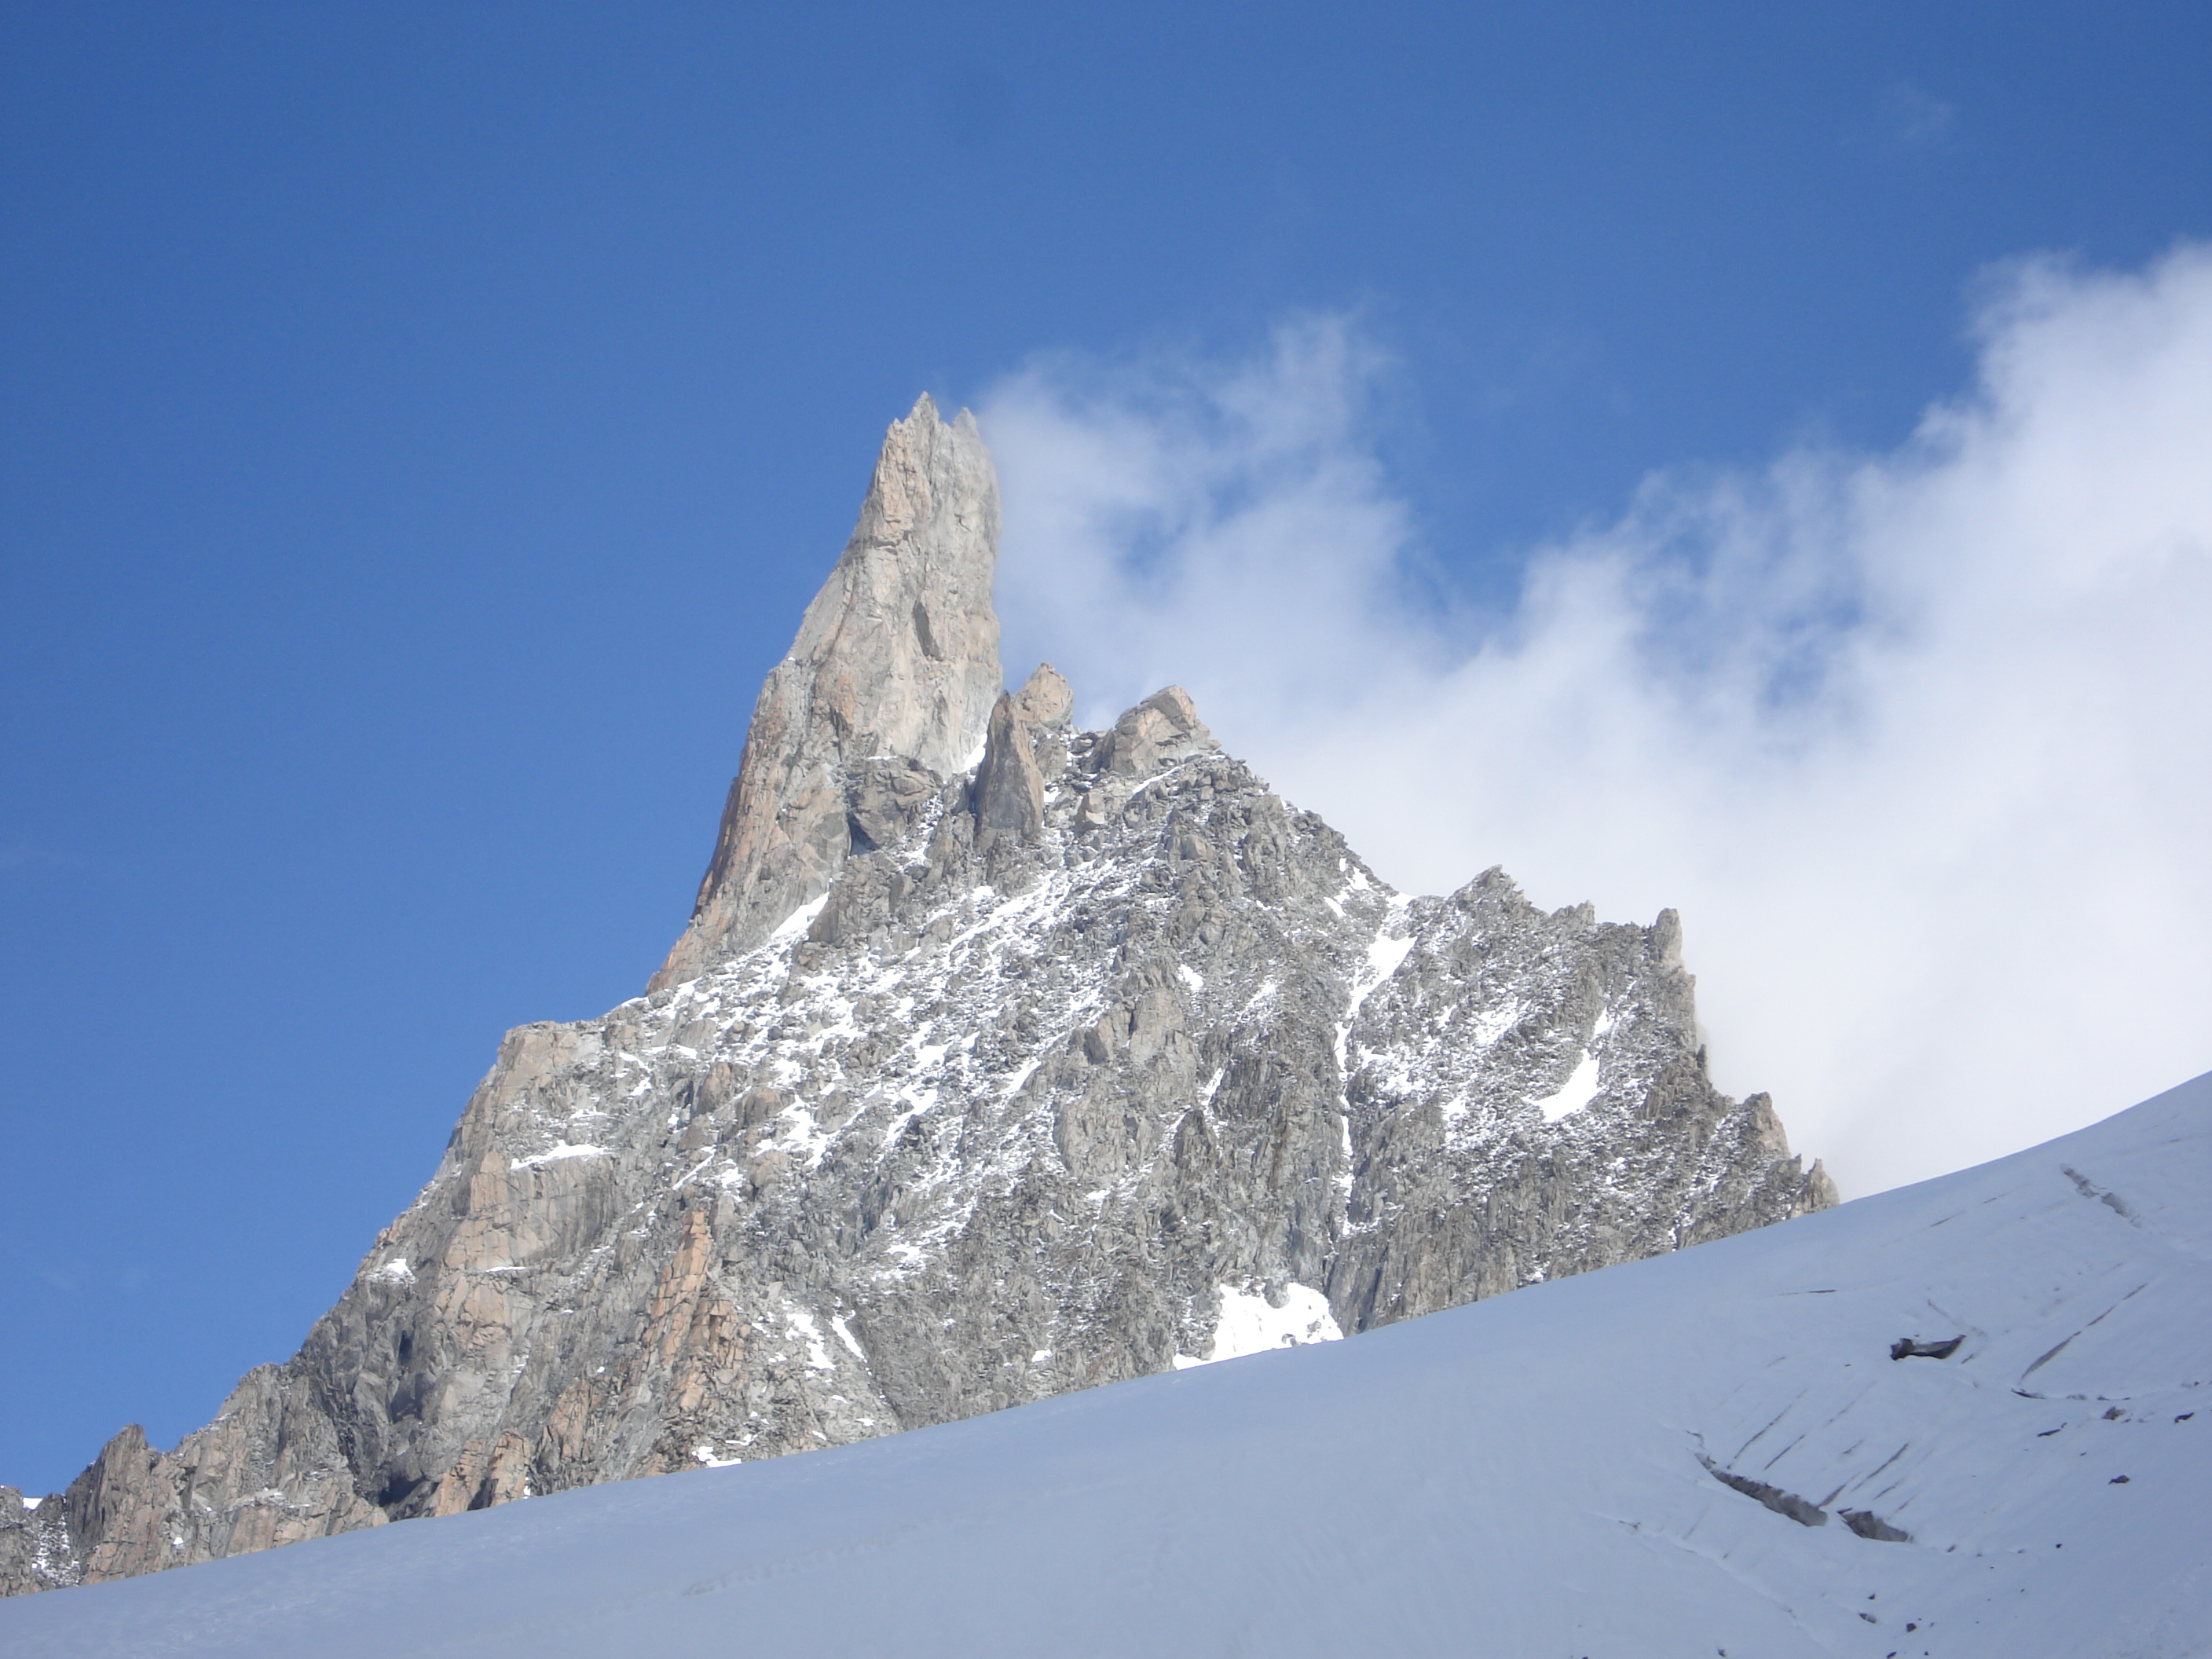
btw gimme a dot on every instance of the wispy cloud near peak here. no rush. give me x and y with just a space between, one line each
1920 742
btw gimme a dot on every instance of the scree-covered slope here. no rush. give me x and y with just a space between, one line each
1969 1418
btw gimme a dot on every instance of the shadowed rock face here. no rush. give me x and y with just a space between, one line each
1000 1058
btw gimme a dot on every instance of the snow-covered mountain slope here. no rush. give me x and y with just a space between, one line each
1712 1452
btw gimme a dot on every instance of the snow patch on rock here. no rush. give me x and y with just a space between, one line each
1576 1093
1250 1324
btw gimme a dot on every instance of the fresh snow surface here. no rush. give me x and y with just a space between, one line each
1576 1093
818 1351
798 920
556 1153
1248 1324
1384 953
1538 1474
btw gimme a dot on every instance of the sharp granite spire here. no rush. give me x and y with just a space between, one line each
1000 1058
886 692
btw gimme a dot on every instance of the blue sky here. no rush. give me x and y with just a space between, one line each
424 424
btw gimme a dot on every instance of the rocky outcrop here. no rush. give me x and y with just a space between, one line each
896 661
269 1470
982 1074
1023 744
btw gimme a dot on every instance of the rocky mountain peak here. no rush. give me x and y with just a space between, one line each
1001 1058
886 691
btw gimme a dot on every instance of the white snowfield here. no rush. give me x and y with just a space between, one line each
1708 1453
1249 1324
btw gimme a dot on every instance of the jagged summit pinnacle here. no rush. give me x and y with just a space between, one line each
894 671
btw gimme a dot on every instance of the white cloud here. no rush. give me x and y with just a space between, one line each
1920 743
1911 119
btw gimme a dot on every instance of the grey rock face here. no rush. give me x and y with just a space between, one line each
897 656
1093 1060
